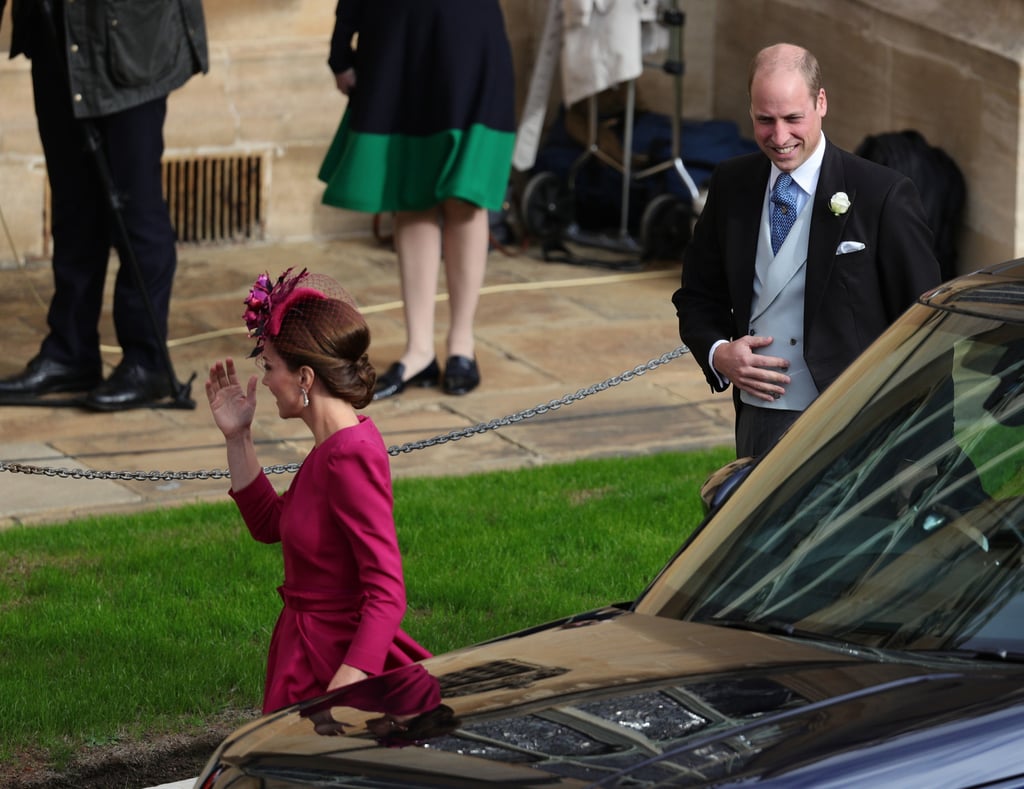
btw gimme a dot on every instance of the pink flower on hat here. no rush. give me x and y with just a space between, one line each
267 304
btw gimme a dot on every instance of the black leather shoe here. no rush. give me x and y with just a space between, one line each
461 375
129 386
45 376
391 382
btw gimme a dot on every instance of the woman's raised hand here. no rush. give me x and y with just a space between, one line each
233 407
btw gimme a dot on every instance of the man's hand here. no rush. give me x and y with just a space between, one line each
753 373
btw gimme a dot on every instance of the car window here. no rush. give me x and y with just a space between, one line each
898 525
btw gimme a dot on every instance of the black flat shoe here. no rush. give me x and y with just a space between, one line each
45 376
391 383
129 386
461 375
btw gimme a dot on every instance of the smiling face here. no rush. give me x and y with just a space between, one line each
787 116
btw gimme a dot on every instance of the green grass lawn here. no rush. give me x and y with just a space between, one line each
116 628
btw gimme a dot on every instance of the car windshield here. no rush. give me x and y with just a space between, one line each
891 515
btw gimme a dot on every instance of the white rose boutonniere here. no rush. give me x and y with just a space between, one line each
839 203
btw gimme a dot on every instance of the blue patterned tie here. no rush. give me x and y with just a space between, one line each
783 210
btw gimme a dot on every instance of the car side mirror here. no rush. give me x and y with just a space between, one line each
720 485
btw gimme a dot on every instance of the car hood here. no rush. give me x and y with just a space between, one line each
623 699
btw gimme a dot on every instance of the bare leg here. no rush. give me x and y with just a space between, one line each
418 244
466 237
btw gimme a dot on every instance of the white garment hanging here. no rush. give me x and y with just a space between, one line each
598 44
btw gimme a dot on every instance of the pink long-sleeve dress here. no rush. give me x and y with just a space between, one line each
343 590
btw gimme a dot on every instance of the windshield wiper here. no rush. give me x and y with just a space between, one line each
984 655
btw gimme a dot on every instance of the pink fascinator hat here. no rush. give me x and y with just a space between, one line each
268 304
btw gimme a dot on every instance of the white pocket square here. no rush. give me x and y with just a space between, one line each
847 247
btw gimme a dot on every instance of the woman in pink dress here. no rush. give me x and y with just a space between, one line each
343 590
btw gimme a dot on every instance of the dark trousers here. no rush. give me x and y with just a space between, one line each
132 144
757 429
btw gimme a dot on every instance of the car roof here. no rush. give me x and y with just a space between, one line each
996 291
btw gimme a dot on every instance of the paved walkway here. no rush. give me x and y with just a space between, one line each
544 330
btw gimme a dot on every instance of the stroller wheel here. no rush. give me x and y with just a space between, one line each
666 227
546 206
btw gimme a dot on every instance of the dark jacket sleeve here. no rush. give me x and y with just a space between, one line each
706 301
22 18
701 301
346 25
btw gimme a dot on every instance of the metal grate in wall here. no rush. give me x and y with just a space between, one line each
215 198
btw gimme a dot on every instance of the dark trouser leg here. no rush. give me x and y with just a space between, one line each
81 242
757 429
133 143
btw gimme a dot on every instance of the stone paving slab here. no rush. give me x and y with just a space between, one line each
28 497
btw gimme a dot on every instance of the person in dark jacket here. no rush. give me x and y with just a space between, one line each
777 308
101 74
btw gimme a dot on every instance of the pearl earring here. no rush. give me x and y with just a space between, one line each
305 397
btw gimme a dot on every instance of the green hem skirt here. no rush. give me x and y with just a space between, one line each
396 172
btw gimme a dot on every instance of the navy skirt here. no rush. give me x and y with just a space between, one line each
432 115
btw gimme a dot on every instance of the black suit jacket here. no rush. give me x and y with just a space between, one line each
850 299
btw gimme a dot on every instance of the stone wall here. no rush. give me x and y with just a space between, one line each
949 69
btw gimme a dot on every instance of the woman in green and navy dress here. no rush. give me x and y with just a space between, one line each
427 135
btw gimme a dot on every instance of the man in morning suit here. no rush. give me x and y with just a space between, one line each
802 256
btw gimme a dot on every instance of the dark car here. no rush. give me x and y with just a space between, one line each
849 614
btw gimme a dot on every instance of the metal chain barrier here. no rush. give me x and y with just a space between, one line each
291 468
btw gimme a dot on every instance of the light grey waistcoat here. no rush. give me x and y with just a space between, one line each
778 308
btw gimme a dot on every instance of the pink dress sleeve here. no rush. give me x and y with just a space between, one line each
260 506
